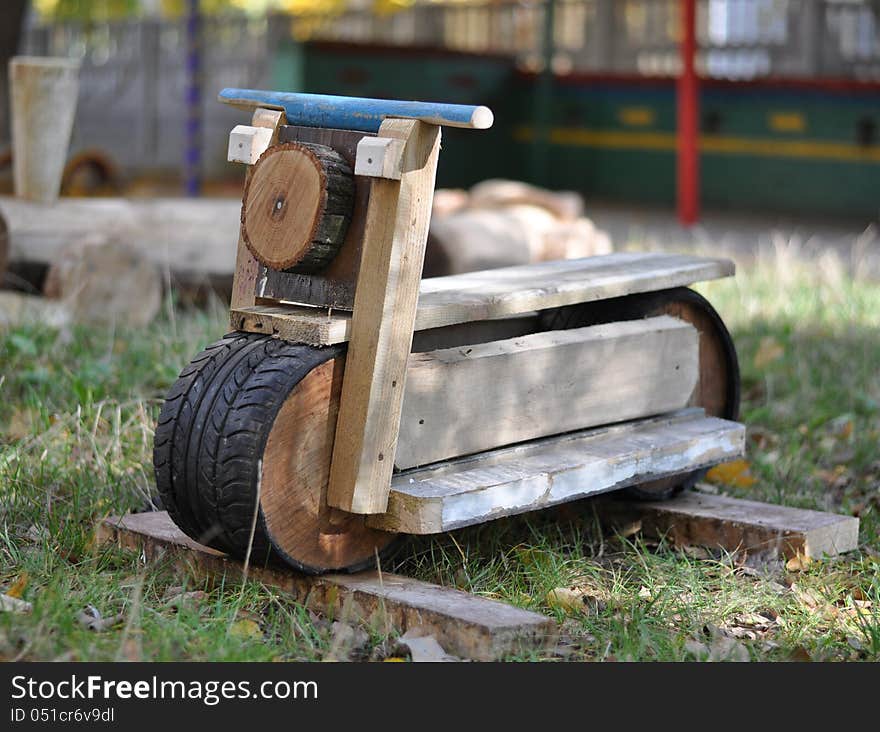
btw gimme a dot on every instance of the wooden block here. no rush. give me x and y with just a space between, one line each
555 470
464 400
509 291
312 326
379 157
465 625
247 143
762 530
383 323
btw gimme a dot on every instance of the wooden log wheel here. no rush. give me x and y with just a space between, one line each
718 386
250 423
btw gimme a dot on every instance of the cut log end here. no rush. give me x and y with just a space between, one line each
296 469
297 207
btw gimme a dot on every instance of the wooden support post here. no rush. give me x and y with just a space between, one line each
382 323
688 119
246 265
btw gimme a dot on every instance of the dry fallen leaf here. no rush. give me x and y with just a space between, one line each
92 619
567 599
769 350
19 426
736 473
17 588
185 599
798 563
14 605
246 629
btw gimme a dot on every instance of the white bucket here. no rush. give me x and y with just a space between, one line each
43 94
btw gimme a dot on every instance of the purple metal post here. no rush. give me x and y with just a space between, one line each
192 169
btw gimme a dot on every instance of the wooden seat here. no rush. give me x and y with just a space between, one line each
500 293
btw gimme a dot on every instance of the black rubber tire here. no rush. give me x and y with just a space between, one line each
175 420
635 307
212 433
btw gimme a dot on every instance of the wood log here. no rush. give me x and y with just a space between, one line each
188 237
298 204
494 193
474 239
18 308
105 283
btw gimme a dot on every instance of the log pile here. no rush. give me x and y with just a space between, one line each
501 223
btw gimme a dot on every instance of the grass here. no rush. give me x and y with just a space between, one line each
76 415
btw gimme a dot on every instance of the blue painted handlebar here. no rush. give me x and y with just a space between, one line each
356 113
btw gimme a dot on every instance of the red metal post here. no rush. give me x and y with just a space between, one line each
688 99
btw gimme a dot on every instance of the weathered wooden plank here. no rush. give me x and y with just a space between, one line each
465 625
508 291
383 323
464 400
555 470
512 290
764 531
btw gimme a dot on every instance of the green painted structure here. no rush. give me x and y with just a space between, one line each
769 145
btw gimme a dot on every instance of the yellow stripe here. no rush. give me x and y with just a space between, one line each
760 147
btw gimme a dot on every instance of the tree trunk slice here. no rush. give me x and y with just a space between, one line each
297 206
302 528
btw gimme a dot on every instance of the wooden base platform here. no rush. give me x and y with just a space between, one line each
555 470
499 293
478 628
465 625
763 531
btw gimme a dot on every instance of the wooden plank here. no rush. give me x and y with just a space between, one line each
555 470
510 291
763 531
465 625
382 325
464 400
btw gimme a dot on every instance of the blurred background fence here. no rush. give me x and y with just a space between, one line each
613 62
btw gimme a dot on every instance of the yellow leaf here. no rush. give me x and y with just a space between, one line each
798 563
769 350
18 587
246 629
736 473
567 599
